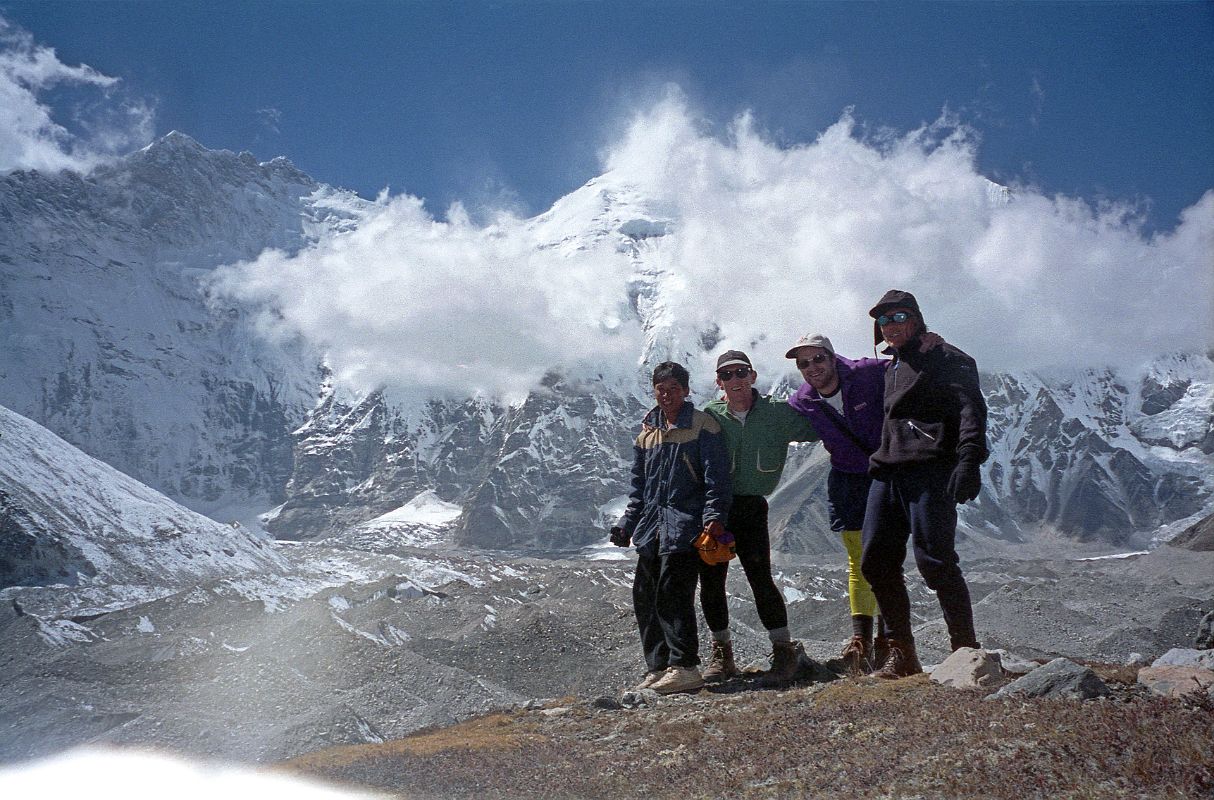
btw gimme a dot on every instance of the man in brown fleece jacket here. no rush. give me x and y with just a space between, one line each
933 440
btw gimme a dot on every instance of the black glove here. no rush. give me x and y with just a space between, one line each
619 538
965 482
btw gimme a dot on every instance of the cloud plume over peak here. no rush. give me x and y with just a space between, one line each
765 242
30 136
445 306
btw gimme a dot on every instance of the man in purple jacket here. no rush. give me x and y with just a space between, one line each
842 399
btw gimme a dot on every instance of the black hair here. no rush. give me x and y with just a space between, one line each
671 369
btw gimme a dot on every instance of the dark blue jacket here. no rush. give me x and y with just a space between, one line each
680 482
862 383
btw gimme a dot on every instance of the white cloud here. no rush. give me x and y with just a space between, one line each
445 306
768 242
1037 95
270 118
778 241
30 136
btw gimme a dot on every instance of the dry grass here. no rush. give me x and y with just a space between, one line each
894 739
490 733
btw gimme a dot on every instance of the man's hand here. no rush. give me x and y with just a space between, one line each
619 538
965 482
715 529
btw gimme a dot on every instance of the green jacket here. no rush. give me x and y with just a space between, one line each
758 449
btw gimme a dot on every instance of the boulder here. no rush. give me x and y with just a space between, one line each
1059 678
640 698
1205 632
1176 681
1186 657
968 668
1013 664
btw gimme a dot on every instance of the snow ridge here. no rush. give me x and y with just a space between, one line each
68 518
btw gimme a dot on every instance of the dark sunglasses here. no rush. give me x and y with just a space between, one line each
802 363
897 316
740 372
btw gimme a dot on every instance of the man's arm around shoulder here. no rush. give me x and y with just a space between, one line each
793 424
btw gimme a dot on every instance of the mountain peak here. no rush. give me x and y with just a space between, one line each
175 148
174 142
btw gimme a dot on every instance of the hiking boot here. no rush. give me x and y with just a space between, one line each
784 658
651 677
678 679
721 666
880 651
901 661
856 654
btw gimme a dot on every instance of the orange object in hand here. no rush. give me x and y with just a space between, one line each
714 550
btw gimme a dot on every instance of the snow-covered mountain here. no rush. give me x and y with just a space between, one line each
109 339
1096 454
112 343
67 518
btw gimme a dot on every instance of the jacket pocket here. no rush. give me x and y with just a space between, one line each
932 431
915 439
678 530
773 462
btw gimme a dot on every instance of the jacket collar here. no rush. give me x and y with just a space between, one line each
721 405
656 419
907 352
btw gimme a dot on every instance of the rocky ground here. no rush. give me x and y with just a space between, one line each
354 647
907 738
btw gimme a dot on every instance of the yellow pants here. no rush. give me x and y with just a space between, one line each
859 593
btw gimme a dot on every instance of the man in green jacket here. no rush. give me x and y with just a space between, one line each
758 431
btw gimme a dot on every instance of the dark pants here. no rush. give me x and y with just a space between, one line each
846 499
663 597
748 523
914 503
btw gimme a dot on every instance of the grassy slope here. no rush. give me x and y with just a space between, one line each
900 739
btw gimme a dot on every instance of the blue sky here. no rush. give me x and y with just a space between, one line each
514 102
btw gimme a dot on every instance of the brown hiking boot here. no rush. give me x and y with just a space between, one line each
856 654
721 666
880 651
901 661
784 658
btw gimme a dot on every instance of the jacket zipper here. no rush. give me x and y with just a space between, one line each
917 429
690 468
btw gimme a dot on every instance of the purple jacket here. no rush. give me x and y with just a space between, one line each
863 385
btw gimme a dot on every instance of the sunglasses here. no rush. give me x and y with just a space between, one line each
897 316
802 363
740 372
